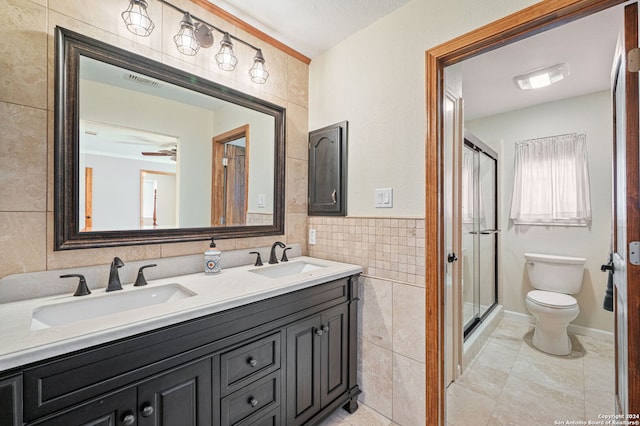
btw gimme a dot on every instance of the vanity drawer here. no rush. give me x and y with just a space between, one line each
251 402
249 362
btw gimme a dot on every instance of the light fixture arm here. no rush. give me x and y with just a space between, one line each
211 26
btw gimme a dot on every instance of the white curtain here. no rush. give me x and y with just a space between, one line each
551 185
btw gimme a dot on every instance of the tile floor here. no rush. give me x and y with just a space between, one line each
512 383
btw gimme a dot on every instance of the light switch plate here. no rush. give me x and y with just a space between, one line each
383 198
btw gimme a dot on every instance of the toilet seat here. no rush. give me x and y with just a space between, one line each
551 299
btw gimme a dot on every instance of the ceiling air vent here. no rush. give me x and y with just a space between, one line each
141 80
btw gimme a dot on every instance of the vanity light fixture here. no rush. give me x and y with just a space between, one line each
195 33
186 40
542 77
225 58
258 72
137 18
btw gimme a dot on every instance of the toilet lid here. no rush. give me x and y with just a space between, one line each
551 299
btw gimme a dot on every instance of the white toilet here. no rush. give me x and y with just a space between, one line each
554 278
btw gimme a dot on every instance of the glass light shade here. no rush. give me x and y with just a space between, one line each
258 72
542 77
137 19
225 58
185 40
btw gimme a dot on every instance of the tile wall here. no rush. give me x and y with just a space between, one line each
27 111
391 339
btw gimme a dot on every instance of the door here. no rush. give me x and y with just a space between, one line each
333 353
303 370
181 397
626 226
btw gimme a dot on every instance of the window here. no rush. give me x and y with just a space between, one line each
551 185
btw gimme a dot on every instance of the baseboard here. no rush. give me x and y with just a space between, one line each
574 329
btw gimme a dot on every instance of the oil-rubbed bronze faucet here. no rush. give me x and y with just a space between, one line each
273 258
114 278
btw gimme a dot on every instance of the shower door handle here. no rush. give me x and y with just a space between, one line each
451 257
489 231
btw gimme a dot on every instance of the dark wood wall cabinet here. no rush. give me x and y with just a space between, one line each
287 360
328 170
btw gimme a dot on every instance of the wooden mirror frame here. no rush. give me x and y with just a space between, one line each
69 47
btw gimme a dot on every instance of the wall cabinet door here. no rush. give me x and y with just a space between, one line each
328 171
116 409
181 397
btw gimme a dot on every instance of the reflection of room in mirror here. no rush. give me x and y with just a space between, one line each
157 199
124 114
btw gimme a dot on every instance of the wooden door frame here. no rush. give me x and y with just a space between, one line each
524 23
218 141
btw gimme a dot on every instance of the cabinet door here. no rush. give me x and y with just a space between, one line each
180 397
303 370
334 354
11 401
328 171
116 409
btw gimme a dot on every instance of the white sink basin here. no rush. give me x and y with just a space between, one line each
91 307
285 269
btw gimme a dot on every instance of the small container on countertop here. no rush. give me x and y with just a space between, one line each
212 259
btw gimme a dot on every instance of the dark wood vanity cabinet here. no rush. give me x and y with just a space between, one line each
290 359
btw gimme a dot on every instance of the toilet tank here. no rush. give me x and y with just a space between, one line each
561 274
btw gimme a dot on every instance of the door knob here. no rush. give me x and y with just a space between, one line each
129 419
147 410
451 257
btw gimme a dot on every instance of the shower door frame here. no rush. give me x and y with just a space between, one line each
480 147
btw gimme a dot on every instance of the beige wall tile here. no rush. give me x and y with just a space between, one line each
408 321
296 186
22 242
23 70
23 181
298 79
377 312
408 391
377 378
297 131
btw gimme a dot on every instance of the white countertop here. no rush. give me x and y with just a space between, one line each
20 345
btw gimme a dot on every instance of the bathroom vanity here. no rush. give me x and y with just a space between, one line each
246 348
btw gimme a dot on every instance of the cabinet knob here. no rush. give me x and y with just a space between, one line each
252 362
147 410
128 419
319 332
253 402
325 328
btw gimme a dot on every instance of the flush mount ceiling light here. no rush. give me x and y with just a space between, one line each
542 77
137 19
195 33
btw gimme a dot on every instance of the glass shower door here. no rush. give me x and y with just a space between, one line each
480 232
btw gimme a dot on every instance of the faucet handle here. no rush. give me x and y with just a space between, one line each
284 254
258 259
82 289
140 281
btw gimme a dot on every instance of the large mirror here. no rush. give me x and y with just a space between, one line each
145 153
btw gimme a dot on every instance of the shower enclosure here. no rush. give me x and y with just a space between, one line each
479 195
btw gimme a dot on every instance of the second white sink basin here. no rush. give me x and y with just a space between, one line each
91 307
285 269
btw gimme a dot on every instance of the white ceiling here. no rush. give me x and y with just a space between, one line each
587 46
309 26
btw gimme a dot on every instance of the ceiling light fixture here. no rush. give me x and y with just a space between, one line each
542 77
137 18
195 33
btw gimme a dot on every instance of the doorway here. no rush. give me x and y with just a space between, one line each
230 178
516 27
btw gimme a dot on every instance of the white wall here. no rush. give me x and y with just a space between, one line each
375 80
590 114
